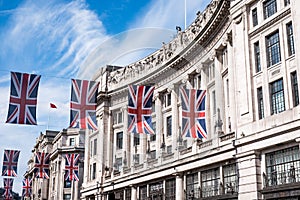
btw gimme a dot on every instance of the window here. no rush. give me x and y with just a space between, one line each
167 99
156 190
210 181
118 164
169 125
171 189
94 171
286 2
214 103
153 154
72 141
260 103
67 184
127 194
230 179
270 8
197 82
118 117
227 91
211 71
192 186
283 166
119 140
273 49
295 92
67 197
153 136
136 139
257 57
53 184
290 39
169 149
136 158
254 17
95 147
153 106
143 192
277 97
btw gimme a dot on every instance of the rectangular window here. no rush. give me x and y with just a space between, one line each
290 38
192 186
127 194
214 103
283 167
273 49
210 181
95 147
257 57
169 149
156 190
118 117
270 8
286 2
153 154
94 171
136 158
295 93
171 189
227 90
277 97
136 139
260 103
67 197
67 184
169 125
119 140
230 179
143 192
211 71
153 136
254 17
118 164
167 99
72 141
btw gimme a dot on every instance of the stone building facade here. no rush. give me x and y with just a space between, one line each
244 54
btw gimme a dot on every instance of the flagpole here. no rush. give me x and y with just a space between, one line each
48 118
184 14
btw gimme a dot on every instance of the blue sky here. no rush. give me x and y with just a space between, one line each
58 40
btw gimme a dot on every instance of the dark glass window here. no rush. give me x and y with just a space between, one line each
169 125
277 97
257 56
127 194
72 141
171 189
169 149
260 103
273 49
254 17
136 139
143 192
156 191
286 2
283 167
67 197
120 140
67 184
295 91
95 146
270 8
210 181
290 38
153 136
94 171
153 154
192 186
230 179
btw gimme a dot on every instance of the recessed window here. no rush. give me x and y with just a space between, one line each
136 139
257 57
210 181
118 117
192 186
270 8
290 38
214 103
295 92
119 140
260 103
153 136
95 147
230 179
72 141
169 149
273 49
254 17
94 171
287 2
169 125
118 164
153 154
143 192
171 189
167 99
277 97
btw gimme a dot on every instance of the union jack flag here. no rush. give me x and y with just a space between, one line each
83 104
140 109
10 163
27 187
23 98
8 184
71 167
193 113
42 165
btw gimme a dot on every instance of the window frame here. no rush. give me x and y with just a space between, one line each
254 17
290 38
295 89
119 140
256 49
260 103
273 50
269 8
277 103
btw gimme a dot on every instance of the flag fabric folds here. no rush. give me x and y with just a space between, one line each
71 167
83 104
42 165
27 187
10 162
23 98
140 109
193 113
8 184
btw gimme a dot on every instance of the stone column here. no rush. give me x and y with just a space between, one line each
133 193
179 187
175 126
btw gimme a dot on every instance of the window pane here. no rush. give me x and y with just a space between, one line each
260 103
295 93
257 57
273 49
290 39
169 125
254 17
277 97
270 8
210 181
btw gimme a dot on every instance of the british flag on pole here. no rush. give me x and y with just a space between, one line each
8 184
27 187
23 98
140 109
42 165
83 104
10 162
71 167
193 113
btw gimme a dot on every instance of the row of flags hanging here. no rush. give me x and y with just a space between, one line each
23 102
41 170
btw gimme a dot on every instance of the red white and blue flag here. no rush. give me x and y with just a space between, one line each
193 113
23 98
42 165
71 167
27 187
140 109
10 163
8 184
83 104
